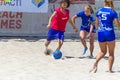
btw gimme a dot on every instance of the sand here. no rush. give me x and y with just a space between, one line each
24 59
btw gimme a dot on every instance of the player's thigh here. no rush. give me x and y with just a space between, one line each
83 34
103 47
92 38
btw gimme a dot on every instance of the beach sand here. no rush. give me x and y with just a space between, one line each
24 59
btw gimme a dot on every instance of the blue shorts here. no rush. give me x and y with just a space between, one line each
55 34
88 29
106 36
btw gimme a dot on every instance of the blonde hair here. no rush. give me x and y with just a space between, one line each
109 3
90 8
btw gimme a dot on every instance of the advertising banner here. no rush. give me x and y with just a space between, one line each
40 6
34 24
75 1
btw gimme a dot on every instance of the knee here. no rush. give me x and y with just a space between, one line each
91 43
111 55
61 43
82 38
47 43
104 52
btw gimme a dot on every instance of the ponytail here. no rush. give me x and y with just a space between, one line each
90 8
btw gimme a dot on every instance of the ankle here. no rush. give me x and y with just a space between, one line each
91 54
110 71
46 47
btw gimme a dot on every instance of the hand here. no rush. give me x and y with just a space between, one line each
75 30
48 26
89 36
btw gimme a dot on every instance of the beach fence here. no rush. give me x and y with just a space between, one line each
34 24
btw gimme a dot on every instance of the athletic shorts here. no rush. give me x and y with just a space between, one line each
88 29
106 36
55 34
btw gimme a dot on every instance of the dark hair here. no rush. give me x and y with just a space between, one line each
67 1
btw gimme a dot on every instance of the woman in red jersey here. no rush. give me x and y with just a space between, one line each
57 25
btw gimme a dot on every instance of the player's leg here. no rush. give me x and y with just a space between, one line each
82 38
51 36
60 43
103 48
60 40
47 44
91 45
111 47
47 51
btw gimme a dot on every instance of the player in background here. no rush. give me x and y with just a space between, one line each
87 28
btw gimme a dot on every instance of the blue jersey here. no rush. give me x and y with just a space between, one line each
86 21
106 17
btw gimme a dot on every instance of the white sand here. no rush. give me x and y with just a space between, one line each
25 60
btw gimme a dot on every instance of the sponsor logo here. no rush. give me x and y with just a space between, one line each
10 2
38 3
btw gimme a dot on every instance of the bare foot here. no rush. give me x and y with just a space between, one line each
111 71
94 70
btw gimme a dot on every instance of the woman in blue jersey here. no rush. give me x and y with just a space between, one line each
87 29
106 35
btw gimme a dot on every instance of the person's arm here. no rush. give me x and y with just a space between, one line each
73 19
117 23
91 29
73 25
92 24
97 22
73 22
50 19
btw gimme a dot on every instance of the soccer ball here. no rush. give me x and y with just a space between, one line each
57 54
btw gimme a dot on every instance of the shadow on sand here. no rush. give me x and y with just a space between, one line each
20 39
81 57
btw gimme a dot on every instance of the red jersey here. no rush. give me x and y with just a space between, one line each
60 19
